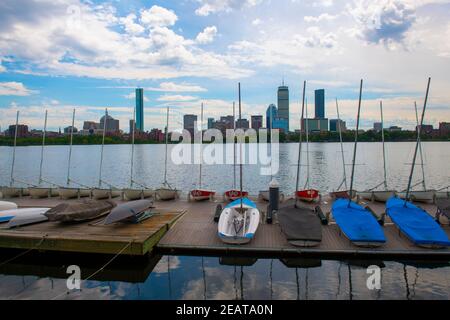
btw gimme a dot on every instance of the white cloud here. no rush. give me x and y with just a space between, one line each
215 6
158 16
131 26
170 98
320 18
317 38
177 87
207 35
323 3
256 22
15 89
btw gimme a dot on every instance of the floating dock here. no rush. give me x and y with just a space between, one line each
187 228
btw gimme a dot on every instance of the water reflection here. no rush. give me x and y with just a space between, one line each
204 278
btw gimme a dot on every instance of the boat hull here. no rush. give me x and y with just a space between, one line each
133 194
201 195
383 196
365 195
442 195
342 194
37 193
99 194
7 192
166 194
5 205
419 196
233 195
9 215
68 193
309 195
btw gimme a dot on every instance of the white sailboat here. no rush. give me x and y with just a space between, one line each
239 220
166 192
201 194
379 195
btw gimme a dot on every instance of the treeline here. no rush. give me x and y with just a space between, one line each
77 140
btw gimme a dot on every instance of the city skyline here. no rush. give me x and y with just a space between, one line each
185 53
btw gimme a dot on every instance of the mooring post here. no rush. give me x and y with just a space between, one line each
274 199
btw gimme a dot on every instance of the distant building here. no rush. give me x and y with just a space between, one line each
315 125
112 125
377 126
68 130
22 130
271 113
91 125
210 123
227 121
157 135
334 125
274 119
283 105
132 127
140 109
444 128
394 129
257 122
189 121
425 129
242 124
319 96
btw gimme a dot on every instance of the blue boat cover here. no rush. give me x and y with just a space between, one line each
357 223
416 223
245 201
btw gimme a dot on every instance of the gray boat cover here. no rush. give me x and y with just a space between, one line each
444 206
128 210
300 224
77 212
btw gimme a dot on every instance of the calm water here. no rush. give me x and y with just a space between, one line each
325 166
213 278
208 278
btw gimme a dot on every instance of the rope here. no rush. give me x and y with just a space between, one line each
24 252
101 269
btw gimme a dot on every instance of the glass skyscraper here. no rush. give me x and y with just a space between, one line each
283 104
320 103
140 109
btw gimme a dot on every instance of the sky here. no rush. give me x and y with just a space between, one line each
58 55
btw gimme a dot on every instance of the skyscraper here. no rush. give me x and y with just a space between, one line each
189 121
283 103
140 109
271 114
320 103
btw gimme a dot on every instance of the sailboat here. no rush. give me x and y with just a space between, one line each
239 220
39 191
100 193
300 225
132 193
166 192
379 195
355 221
11 191
420 195
234 194
341 193
307 194
68 192
201 194
411 220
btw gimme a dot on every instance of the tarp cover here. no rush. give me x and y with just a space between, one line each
417 224
444 206
245 202
357 223
128 210
300 224
83 211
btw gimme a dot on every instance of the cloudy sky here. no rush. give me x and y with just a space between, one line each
65 54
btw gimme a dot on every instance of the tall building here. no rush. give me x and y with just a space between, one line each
273 117
210 123
140 109
189 121
377 126
334 125
319 96
283 104
315 125
257 122
242 124
271 112
112 125
22 130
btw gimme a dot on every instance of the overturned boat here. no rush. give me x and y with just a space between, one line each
78 212
28 216
7 215
134 211
5 205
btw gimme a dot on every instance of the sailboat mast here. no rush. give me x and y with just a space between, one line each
356 142
167 141
11 181
344 181
70 148
300 141
42 148
417 143
240 148
234 146
103 146
201 146
307 146
384 147
420 149
133 129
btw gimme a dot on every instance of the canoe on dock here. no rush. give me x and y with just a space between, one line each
77 212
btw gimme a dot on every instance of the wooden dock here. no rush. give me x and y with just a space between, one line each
187 228
89 237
